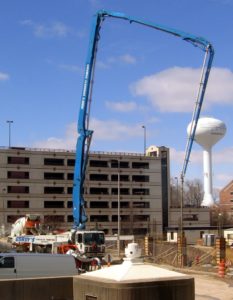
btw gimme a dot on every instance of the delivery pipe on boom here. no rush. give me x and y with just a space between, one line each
84 138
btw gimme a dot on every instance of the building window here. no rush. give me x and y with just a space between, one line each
53 190
141 204
54 219
119 164
70 219
99 204
56 176
141 218
18 189
139 231
18 160
54 162
114 218
99 191
98 163
70 162
140 165
70 176
70 190
53 204
17 175
98 177
140 178
99 218
123 191
123 204
122 177
190 217
172 235
7 262
125 218
17 204
141 191
70 204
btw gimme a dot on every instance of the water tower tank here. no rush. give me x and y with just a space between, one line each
208 132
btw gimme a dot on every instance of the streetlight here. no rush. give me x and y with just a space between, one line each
144 127
9 123
118 206
181 206
177 192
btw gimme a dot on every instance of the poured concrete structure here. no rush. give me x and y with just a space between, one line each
133 280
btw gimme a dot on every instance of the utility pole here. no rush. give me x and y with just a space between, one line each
9 123
144 128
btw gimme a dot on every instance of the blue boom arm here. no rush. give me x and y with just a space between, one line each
84 138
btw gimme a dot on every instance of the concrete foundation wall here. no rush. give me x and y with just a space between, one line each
59 288
180 289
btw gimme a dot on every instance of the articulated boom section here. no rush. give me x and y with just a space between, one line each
85 134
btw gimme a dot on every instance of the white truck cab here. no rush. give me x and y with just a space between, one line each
28 265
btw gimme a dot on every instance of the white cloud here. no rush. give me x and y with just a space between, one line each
66 142
54 29
121 106
223 156
4 76
110 130
178 156
127 58
175 89
102 65
70 68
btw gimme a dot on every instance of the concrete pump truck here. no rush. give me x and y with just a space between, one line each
92 243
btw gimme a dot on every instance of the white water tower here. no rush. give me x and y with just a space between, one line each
208 132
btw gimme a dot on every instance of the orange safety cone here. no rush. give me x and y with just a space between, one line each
221 268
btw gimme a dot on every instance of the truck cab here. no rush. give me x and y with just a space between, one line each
90 243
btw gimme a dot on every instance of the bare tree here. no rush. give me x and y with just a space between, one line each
193 192
218 216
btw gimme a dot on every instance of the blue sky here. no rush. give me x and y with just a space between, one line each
143 76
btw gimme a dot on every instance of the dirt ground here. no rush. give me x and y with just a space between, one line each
213 288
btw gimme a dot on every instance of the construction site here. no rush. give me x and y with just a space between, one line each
77 224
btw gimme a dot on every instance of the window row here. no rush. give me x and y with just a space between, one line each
19 160
19 189
71 162
93 204
93 191
114 177
123 191
52 219
70 176
190 217
123 204
123 218
118 164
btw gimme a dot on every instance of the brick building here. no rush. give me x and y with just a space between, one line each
226 200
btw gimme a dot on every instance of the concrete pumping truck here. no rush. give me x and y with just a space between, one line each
91 243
